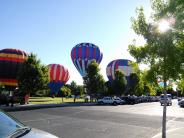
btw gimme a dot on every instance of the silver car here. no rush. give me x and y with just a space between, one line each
168 99
12 128
181 103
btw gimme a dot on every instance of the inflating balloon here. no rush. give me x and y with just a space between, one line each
82 55
58 75
10 62
119 64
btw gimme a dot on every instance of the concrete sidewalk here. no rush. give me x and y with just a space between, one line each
39 106
173 133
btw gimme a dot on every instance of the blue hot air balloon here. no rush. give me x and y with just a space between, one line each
119 64
82 55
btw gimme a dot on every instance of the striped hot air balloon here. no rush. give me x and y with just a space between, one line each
82 55
119 64
10 62
58 75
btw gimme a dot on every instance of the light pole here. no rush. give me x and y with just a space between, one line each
163 26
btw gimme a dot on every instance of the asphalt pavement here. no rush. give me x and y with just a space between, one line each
125 121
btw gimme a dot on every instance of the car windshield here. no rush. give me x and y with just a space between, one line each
117 98
167 96
8 125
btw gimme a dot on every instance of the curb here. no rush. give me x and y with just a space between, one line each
172 133
42 106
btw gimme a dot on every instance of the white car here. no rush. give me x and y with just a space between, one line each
111 100
11 128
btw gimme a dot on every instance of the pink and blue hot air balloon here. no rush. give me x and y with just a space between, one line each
119 64
82 55
58 75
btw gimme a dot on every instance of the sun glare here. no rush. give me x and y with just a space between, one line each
163 26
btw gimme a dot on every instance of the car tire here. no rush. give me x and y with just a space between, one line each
101 103
114 103
7 104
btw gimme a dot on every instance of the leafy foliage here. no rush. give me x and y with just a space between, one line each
32 76
134 85
1 87
159 48
119 83
93 81
73 87
66 92
76 89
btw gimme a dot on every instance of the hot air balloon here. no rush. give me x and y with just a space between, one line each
10 62
58 75
82 55
119 64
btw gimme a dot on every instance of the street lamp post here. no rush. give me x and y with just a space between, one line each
165 100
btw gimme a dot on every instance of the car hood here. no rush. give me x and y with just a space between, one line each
35 133
181 101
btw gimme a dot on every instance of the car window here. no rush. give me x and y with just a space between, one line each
7 125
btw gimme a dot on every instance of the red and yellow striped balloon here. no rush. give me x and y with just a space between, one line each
10 62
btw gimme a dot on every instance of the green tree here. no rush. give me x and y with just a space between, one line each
93 81
181 86
1 87
134 85
108 90
76 90
32 76
73 87
119 83
66 92
159 48
80 90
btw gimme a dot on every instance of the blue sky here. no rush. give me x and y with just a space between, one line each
51 28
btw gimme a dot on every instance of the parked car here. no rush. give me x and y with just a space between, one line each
168 99
15 97
111 100
130 99
12 128
179 99
119 100
181 103
4 99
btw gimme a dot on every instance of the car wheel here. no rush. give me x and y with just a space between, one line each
114 103
7 104
101 102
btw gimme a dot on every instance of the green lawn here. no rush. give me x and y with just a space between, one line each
49 100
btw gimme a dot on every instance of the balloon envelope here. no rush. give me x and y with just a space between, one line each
119 64
58 76
10 62
82 55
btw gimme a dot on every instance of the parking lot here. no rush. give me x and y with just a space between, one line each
133 121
